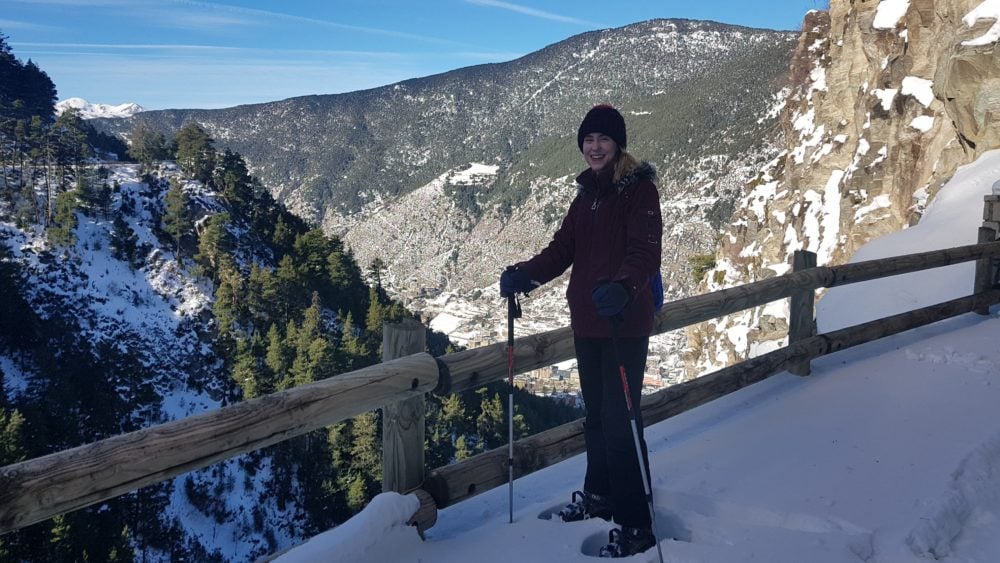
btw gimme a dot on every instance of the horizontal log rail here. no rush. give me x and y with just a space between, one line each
459 481
473 368
37 489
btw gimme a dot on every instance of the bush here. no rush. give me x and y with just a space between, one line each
700 265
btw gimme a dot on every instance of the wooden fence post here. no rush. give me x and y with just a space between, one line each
403 422
987 267
801 309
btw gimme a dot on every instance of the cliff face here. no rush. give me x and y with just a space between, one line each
887 99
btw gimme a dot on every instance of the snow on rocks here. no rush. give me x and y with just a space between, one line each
988 10
919 88
889 12
923 123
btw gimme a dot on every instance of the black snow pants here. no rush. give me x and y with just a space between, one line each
612 468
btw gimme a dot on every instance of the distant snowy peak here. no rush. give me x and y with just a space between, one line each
90 111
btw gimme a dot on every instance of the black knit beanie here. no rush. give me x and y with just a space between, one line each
606 120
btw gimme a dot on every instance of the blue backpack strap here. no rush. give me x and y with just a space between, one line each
656 288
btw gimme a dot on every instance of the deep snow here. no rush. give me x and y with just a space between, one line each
888 452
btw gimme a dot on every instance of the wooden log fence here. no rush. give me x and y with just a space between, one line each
403 422
801 307
457 482
37 489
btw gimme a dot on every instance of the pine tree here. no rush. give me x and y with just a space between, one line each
491 424
64 224
215 241
71 145
366 452
376 316
85 193
354 351
9 66
232 178
339 438
314 354
195 153
311 250
37 90
176 219
123 552
146 146
283 237
105 201
453 416
357 494
279 355
228 305
349 292
260 312
322 360
462 449
246 372
61 539
312 324
375 271
286 293
286 378
11 437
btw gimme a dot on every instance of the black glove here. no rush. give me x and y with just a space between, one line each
513 281
610 298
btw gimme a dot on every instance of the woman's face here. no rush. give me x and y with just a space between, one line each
599 150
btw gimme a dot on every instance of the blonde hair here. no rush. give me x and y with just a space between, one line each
624 164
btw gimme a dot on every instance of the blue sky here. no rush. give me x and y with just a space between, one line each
200 54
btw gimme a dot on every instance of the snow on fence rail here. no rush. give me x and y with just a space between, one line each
37 489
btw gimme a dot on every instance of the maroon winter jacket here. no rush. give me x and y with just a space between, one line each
611 232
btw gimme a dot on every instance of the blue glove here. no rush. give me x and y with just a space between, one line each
513 281
610 298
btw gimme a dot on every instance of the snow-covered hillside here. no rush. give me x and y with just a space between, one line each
92 111
155 312
886 454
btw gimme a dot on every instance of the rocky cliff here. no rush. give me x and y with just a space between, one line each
888 99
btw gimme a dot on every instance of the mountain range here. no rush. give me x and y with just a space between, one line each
89 110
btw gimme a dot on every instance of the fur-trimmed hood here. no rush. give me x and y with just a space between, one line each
644 171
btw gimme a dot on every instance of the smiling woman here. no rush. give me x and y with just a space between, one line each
189 53
611 237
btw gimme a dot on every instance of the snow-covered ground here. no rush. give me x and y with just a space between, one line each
888 452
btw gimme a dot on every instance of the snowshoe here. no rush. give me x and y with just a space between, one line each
627 542
586 505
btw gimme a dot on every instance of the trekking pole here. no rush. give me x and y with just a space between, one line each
615 322
513 312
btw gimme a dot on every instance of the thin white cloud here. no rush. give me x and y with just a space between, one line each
86 3
166 48
13 24
270 15
210 15
202 21
528 11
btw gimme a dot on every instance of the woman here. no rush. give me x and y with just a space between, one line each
611 236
